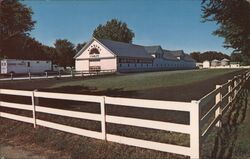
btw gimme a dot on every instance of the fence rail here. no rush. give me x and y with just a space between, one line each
59 74
197 120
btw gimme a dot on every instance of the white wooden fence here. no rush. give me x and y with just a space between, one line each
58 74
194 108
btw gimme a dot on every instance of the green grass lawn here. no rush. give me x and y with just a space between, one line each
143 81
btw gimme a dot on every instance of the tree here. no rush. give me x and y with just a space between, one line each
208 55
239 57
233 18
196 56
236 57
51 54
65 52
15 21
80 46
114 30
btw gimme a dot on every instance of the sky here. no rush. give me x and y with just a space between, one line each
173 24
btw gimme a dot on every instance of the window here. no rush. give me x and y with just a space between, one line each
28 64
94 51
94 60
94 68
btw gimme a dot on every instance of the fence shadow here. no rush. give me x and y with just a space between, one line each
116 92
226 136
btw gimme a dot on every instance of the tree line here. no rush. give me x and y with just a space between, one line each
15 41
208 55
232 17
211 55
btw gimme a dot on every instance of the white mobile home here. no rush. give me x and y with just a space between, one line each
103 54
24 66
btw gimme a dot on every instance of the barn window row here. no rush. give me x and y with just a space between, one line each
152 65
134 60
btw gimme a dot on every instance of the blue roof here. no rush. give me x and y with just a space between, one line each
125 49
153 49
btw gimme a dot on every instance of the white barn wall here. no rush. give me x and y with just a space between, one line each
108 64
82 65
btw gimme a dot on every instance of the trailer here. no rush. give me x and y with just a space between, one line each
17 66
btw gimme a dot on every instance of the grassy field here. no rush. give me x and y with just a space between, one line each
143 81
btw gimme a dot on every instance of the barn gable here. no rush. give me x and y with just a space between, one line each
96 49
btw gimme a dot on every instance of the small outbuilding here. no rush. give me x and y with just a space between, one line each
225 62
234 64
215 63
199 65
206 64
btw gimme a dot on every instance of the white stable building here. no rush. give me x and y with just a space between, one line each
24 66
103 54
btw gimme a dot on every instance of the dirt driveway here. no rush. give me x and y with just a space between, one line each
11 152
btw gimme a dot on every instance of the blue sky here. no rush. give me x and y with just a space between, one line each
173 24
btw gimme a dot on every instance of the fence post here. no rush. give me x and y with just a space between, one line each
195 136
239 81
82 73
11 75
235 84
103 120
46 74
230 90
34 108
244 78
218 100
29 76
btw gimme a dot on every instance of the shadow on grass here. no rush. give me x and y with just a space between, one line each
116 92
226 137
